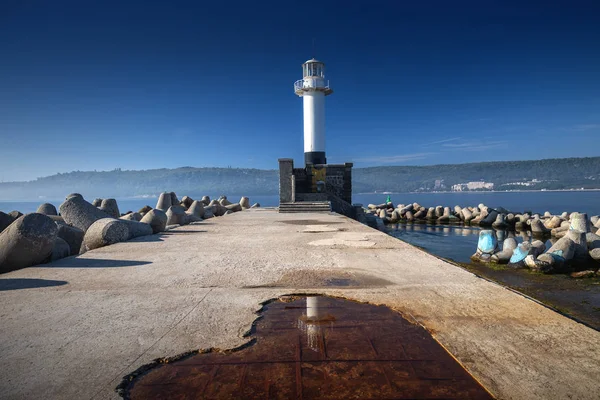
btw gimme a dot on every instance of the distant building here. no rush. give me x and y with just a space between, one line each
481 185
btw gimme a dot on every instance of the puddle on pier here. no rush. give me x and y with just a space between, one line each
318 348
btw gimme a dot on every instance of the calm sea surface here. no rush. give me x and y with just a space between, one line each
456 243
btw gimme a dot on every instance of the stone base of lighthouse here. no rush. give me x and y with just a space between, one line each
312 187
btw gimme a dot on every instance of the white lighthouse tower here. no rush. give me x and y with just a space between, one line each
313 88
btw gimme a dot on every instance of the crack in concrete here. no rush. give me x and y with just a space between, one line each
128 367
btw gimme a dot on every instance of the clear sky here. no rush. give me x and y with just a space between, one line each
106 84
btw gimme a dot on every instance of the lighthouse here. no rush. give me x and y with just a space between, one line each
313 88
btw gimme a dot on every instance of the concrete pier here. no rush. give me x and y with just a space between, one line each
74 328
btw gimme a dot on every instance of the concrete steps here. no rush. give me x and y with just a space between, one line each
305 206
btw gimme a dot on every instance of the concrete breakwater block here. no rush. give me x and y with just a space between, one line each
196 208
73 236
26 242
79 213
110 207
176 215
104 232
47 209
137 229
60 250
157 219
164 201
5 221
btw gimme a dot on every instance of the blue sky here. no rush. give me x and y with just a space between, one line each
138 85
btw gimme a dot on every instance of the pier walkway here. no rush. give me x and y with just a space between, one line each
72 329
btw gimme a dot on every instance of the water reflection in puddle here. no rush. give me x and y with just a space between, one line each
318 348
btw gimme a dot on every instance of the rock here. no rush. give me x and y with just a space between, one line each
583 274
594 219
137 229
72 195
60 249
73 236
97 202
79 213
174 199
176 215
26 242
47 209
5 221
164 201
132 217
255 205
15 214
104 232
110 207
504 256
595 254
245 203
205 200
142 211
580 222
592 240
196 208
157 219
186 201
537 227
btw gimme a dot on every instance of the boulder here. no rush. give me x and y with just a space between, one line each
255 205
142 211
97 202
504 256
5 221
137 229
104 232
164 201
176 216
79 213
245 203
15 214
580 222
60 250
196 208
186 201
157 219
132 217
47 209
26 242
73 236
110 207
205 200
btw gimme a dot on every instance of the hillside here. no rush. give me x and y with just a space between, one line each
548 174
